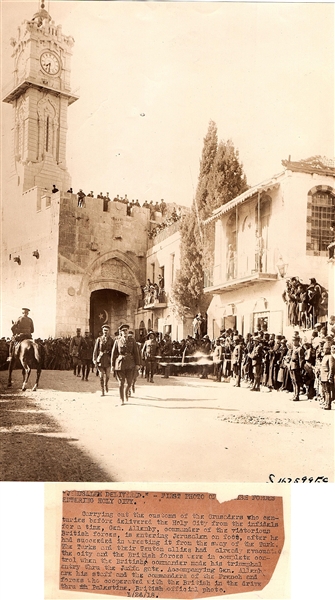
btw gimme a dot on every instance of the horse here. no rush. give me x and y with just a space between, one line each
29 355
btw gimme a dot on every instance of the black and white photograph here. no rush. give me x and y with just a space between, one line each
168 219
167 286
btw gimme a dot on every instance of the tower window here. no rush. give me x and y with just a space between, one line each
47 134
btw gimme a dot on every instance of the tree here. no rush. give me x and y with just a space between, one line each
221 178
202 198
227 177
188 286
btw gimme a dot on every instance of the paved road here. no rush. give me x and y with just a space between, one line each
177 429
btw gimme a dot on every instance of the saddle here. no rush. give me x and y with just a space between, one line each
19 337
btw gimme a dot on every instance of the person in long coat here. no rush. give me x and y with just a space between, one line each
125 359
102 357
149 354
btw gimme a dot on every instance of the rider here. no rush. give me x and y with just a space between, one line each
22 330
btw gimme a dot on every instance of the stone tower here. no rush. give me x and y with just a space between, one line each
40 97
73 266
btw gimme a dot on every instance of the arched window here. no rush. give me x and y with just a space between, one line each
320 216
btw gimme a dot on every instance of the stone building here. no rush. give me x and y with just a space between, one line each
276 230
73 266
156 307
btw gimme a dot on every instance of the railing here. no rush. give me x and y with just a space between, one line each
239 267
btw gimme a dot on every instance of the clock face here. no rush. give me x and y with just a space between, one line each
50 63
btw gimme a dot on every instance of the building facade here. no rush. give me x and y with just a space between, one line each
274 231
156 310
73 266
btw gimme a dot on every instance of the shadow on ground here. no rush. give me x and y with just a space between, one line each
33 448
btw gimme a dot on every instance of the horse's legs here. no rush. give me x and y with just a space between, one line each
26 373
10 370
38 374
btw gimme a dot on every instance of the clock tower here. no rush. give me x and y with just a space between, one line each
40 96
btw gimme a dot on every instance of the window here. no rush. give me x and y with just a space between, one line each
47 134
231 239
323 215
172 267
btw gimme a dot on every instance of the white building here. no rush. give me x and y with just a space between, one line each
273 231
163 261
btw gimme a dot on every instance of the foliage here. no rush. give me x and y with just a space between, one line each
188 285
221 178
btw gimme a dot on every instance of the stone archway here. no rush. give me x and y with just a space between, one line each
112 289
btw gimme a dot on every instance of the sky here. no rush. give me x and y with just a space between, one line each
151 75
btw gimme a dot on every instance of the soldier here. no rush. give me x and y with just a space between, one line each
136 371
166 352
86 355
217 359
297 359
327 374
74 351
256 356
22 329
102 357
236 360
149 355
125 359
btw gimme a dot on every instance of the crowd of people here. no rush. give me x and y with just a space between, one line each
152 292
300 366
307 304
160 207
297 365
173 218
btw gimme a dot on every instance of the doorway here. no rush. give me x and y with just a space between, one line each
107 307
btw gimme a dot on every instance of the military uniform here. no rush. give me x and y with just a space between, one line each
256 360
74 353
86 355
297 358
125 358
102 357
236 361
149 355
22 329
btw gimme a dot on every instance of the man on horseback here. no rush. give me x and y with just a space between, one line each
22 329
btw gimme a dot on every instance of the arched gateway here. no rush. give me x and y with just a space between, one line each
113 289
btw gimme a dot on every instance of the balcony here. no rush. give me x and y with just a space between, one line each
153 300
235 284
237 276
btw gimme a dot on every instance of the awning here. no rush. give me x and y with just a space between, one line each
265 186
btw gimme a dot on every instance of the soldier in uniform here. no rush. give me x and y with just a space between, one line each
86 355
296 364
256 356
149 355
102 357
136 371
236 360
74 351
22 329
125 359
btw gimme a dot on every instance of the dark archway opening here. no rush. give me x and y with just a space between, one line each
107 307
